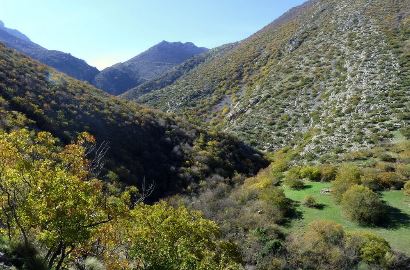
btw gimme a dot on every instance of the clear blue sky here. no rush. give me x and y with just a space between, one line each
104 32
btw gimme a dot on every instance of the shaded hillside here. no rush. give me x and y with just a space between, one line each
146 66
63 62
331 74
142 143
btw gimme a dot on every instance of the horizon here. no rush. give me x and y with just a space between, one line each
127 35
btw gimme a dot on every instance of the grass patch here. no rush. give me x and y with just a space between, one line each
397 234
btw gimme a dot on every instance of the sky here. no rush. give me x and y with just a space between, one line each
105 32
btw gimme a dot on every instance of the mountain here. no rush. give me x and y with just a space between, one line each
331 76
146 66
175 73
63 62
144 145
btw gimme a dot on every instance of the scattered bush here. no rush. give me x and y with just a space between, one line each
348 175
407 188
310 172
294 183
362 205
370 179
310 202
328 172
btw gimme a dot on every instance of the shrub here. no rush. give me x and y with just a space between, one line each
294 183
348 175
319 247
310 202
369 179
407 188
390 180
362 205
328 172
310 172
387 158
372 249
24 256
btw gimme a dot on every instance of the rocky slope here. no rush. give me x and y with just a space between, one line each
331 75
146 66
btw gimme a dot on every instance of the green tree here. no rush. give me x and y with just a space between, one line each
348 175
362 205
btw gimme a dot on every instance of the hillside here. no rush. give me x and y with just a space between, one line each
333 75
146 66
143 144
63 62
176 72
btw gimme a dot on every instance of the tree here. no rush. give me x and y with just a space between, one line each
49 196
347 176
163 237
311 172
372 249
326 245
321 246
362 205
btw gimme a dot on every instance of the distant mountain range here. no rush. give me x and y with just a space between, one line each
146 66
61 61
115 80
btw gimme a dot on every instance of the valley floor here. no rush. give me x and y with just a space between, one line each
397 233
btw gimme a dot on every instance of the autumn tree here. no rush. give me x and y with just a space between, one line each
48 195
163 237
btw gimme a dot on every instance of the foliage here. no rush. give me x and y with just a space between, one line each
310 201
142 143
328 172
163 237
362 205
49 195
348 175
326 245
407 188
311 173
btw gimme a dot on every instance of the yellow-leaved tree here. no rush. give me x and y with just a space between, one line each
48 195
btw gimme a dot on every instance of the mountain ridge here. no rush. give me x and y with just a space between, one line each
61 61
146 66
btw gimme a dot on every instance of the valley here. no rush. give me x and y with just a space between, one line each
289 149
